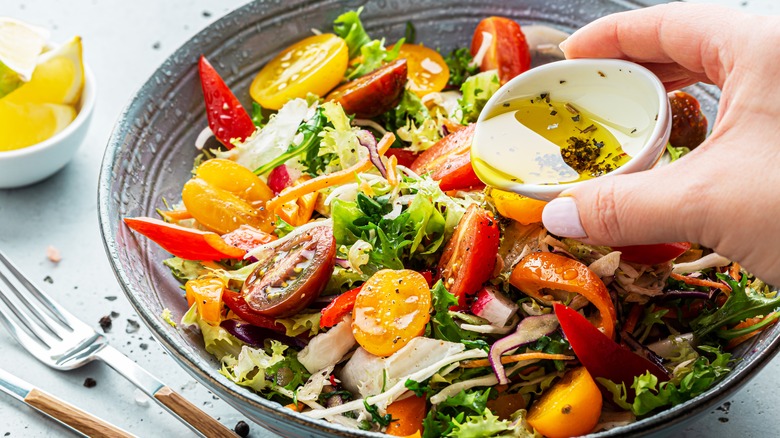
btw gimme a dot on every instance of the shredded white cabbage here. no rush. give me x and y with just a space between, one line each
713 260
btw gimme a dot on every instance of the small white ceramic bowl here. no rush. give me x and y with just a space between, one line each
640 96
31 164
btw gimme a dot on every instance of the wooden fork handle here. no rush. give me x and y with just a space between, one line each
207 425
72 416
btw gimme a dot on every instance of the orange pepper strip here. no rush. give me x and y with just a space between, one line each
187 243
295 407
297 212
747 323
408 416
517 358
734 271
332 179
546 270
701 282
633 319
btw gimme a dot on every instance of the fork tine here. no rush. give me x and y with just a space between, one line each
58 311
54 327
33 327
32 345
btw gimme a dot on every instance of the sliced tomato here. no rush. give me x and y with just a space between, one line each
248 238
470 255
428 72
508 50
405 157
375 93
228 120
652 254
313 65
291 276
237 305
342 305
449 161
391 309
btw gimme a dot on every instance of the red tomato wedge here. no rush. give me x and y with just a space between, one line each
470 255
236 303
373 94
652 254
291 276
405 157
508 51
342 305
186 243
449 161
228 120
600 355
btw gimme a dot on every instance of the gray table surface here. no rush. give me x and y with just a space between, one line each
124 42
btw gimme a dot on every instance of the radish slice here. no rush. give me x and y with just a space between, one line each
494 306
529 330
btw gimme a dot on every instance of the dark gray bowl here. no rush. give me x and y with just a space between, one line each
150 154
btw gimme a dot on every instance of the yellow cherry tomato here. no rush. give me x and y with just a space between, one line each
206 291
224 195
313 65
427 71
391 309
571 407
518 207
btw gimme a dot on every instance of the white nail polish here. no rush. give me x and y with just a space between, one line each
562 218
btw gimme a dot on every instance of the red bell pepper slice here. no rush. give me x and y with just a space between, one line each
342 305
227 118
237 305
186 243
652 254
600 355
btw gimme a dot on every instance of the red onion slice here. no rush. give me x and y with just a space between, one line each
368 141
529 330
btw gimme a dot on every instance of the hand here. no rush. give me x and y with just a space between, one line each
726 193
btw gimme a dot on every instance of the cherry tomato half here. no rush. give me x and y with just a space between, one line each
428 72
391 309
689 125
291 276
470 255
313 65
571 407
375 93
508 51
449 161
224 195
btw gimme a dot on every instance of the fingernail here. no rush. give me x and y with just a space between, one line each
562 218
562 46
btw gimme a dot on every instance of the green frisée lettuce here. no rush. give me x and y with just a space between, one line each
650 394
217 340
339 145
373 52
476 91
301 323
184 270
373 55
442 324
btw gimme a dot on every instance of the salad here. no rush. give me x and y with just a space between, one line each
340 256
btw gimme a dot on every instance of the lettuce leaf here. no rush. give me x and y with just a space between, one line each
184 270
349 27
451 413
217 340
339 145
442 325
373 55
300 323
476 91
651 395
676 152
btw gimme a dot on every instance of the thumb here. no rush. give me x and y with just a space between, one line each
665 204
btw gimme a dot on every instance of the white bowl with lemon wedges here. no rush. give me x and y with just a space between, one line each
47 96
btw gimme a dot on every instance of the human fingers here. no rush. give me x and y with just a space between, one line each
699 38
640 208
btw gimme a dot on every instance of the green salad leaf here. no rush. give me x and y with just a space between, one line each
676 152
476 91
184 270
443 326
460 63
349 27
301 323
651 395
743 303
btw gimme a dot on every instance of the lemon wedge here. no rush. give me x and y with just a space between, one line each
58 77
20 45
23 125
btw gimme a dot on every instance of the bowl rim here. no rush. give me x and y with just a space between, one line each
653 145
85 109
234 394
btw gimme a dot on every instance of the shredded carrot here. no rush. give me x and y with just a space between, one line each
392 170
735 271
332 179
747 323
517 358
295 407
701 282
174 215
633 319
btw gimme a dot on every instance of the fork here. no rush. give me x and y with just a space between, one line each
63 342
